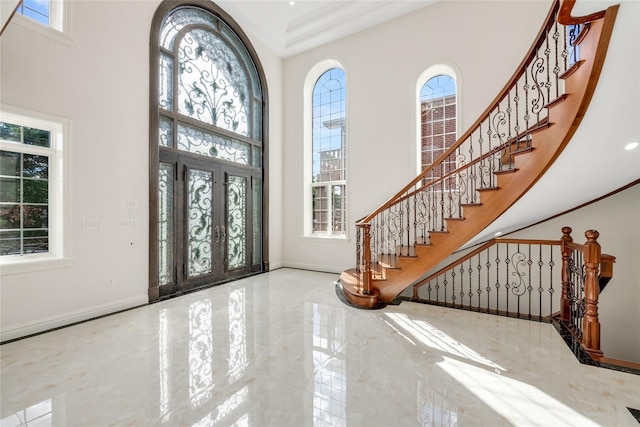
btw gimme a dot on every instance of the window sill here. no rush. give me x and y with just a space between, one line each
332 239
22 266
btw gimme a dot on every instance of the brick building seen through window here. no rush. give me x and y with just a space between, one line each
438 114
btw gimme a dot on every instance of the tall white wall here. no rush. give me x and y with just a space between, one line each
100 81
484 41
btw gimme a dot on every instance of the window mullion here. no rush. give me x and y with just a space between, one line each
21 201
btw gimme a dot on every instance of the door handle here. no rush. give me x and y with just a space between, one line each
217 234
223 231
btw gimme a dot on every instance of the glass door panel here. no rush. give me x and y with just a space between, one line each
208 226
236 195
166 221
199 222
257 222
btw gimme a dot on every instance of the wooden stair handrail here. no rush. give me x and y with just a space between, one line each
606 270
565 18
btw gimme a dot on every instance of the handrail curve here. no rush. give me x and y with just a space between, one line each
565 18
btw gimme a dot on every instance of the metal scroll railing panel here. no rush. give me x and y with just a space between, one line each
508 277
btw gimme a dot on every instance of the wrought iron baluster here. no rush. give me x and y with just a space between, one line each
540 288
442 202
462 285
516 101
529 287
479 290
453 287
415 217
488 289
547 53
526 88
409 222
497 285
358 252
507 286
433 206
444 284
551 291
556 68
470 293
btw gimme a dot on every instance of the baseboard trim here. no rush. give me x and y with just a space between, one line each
314 267
275 265
24 330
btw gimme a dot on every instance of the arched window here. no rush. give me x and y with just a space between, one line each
207 146
328 162
438 117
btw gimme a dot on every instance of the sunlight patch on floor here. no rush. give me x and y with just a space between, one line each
434 338
518 402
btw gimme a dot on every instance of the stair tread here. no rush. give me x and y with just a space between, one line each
423 241
521 151
505 171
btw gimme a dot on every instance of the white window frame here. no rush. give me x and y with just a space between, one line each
310 81
328 186
59 254
59 27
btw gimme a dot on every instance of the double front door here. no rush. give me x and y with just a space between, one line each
216 224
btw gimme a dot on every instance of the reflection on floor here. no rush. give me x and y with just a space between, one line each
280 349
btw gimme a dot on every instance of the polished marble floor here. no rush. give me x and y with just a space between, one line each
280 349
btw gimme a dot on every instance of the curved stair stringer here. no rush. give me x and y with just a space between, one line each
547 144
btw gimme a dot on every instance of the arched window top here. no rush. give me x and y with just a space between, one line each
438 87
181 17
217 81
330 81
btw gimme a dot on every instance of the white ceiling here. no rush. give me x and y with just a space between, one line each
289 30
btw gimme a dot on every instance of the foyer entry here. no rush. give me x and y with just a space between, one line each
207 150
216 236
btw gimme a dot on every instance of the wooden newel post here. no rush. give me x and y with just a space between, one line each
565 305
590 322
366 259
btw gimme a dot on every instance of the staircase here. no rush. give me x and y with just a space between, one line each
490 167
